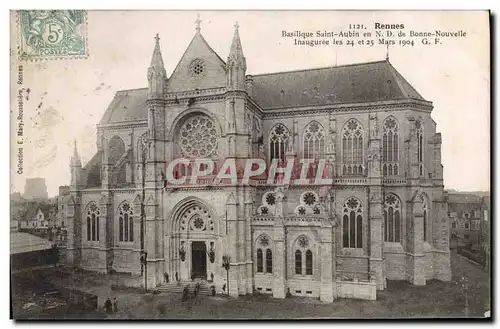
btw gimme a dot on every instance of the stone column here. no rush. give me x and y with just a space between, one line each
441 238
151 242
417 261
248 246
241 245
106 169
232 242
376 237
326 290
279 270
74 225
105 233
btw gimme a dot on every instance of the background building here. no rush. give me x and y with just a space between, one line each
35 188
465 214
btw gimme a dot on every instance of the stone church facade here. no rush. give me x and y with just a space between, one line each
383 217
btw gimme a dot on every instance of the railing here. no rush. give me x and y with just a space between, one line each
394 181
197 92
350 181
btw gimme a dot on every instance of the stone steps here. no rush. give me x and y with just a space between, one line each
178 287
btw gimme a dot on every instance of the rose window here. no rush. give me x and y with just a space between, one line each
303 242
264 241
198 223
196 67
198 137
271 199
309 199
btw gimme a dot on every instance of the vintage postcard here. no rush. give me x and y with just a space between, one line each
250 164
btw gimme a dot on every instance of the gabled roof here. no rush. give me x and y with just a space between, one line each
33 207
214 67
31 210
355 83
127 105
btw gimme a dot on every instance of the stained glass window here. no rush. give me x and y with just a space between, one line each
390 147
352 223
352 148
92 215
198 137
260 267
269 261
392 218
279 138
314 141
125 223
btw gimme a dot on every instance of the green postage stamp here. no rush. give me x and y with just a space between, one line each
52 34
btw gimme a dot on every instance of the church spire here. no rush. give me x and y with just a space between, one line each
157 75
157 60
236 63
75 159
236 56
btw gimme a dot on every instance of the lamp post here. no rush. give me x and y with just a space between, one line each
144 266
226 263
464 287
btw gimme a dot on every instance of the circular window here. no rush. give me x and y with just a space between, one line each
198 137
197 67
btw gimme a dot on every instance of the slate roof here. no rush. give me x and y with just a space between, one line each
93 170
127 105
24 242
356 83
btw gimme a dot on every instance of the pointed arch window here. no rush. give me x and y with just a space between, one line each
352 223
264 250
392 218
303 249
314 141
260 266
279 138
116 158
298 262
125 223
269 261
309 262
352 148
420 143
93 214
425 217
390 147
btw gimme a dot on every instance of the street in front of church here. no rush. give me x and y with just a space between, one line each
400 299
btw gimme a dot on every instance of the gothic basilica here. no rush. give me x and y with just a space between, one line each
383 215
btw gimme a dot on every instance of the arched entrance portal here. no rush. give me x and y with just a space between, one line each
199 259
195 243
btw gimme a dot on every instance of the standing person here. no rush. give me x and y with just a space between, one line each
108 306
115 305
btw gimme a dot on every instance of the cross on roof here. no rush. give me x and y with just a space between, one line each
236 25
198 22
157 37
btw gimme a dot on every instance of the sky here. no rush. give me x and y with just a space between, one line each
68 97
